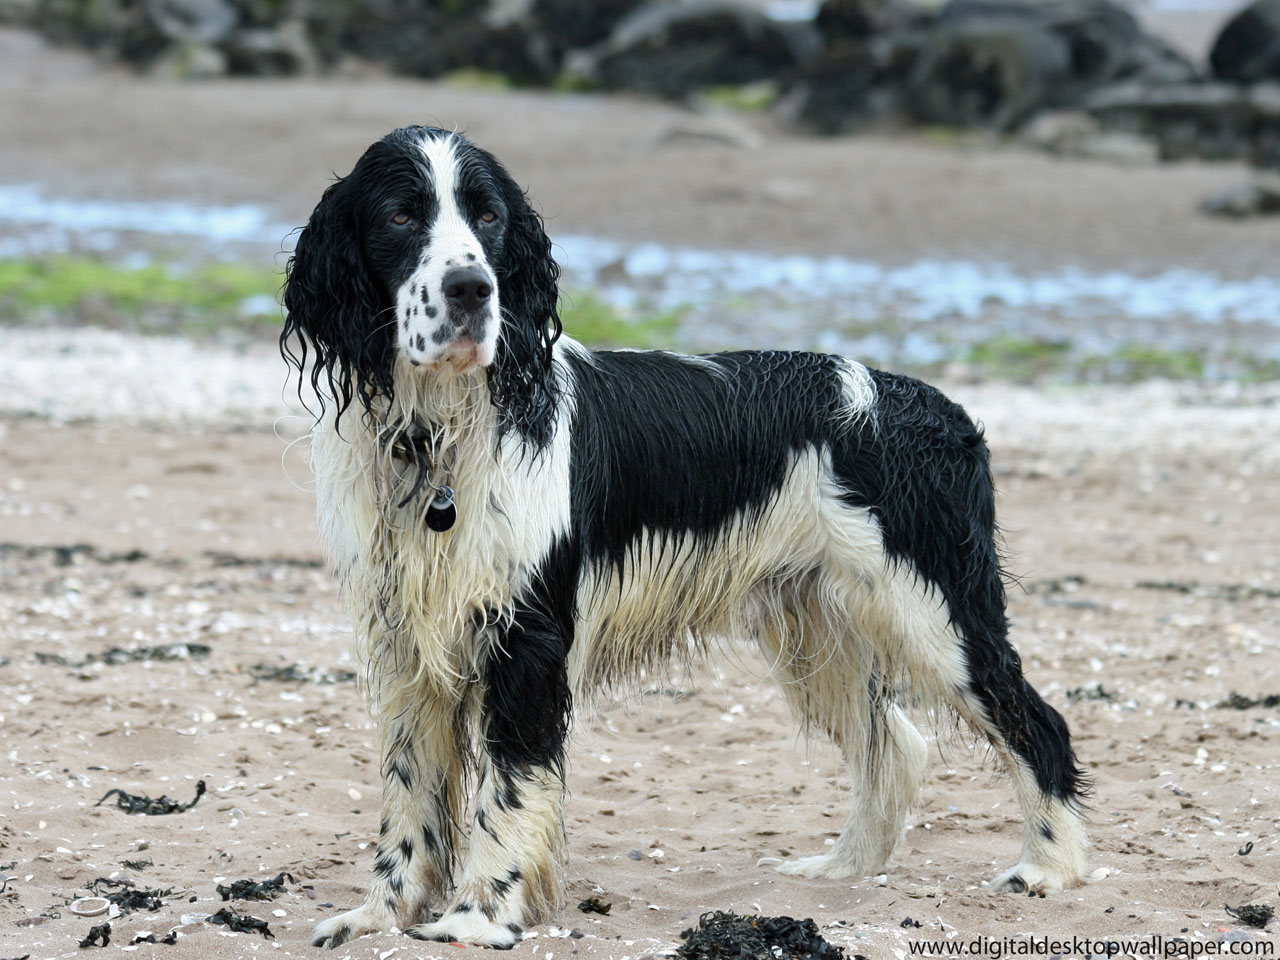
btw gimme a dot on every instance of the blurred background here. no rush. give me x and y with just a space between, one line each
1072 190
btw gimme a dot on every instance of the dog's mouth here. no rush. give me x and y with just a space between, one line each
461 356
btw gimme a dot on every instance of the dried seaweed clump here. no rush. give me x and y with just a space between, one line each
730 936
1254 914
132 803
241 923
255 890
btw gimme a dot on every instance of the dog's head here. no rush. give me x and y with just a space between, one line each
427 253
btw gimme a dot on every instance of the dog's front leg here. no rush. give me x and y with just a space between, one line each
513 872
422 770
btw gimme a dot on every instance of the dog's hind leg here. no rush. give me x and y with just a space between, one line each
512 876
886 767
1032 740
423 750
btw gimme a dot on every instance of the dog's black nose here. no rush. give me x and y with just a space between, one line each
466 287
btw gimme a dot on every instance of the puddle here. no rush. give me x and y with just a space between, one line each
920 313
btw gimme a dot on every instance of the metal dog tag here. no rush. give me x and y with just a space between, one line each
442 513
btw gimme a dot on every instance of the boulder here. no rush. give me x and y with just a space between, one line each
569 24
119 29
675 50
991 72
1214 121
1247 200
280 51
842 20
853 84
1247 49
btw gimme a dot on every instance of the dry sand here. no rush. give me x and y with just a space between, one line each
1103 491
1117 503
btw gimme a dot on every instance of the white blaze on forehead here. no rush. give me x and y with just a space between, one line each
427 327
442 161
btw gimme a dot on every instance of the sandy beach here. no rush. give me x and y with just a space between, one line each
154 493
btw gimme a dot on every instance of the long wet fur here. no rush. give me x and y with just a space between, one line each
616 509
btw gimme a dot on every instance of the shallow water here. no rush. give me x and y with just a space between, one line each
920 313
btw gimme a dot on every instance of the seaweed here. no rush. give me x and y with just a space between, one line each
115 656
1238 701
171 938
129 898
595 905
241 923
1079 694
102 933
255 890
730 936
131 803
1254 914
294 673
137 864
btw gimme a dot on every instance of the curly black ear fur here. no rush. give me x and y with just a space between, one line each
334 305
521 381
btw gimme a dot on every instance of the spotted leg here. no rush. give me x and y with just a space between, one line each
513 872
421 798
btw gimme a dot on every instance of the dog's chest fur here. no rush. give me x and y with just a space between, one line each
415 593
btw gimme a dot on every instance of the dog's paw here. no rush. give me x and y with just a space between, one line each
1034 880
825 866
347 926
468 926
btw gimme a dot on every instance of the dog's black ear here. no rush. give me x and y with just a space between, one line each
520 378
333 304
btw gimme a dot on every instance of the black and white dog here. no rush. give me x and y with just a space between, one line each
518 521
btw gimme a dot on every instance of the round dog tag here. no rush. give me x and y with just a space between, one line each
442 513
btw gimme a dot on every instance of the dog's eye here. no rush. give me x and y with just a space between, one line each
488 216
401 219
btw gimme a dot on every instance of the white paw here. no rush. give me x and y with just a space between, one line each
468 926
1034 880
825 866
354 923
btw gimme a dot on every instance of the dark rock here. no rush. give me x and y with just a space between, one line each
1248 46
988 72
1101 36
281 51
1212 121
853 84
567 24
674 50
1151 60
17 13
839 20
117 29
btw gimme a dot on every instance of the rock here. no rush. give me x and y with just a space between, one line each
674 50
194 21
853 84
17 13
1074 133
839 20
1150 60
1244 201
1247 47
1098 33
1207 120
271 51
988 72
115 28
567 24
1061 132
